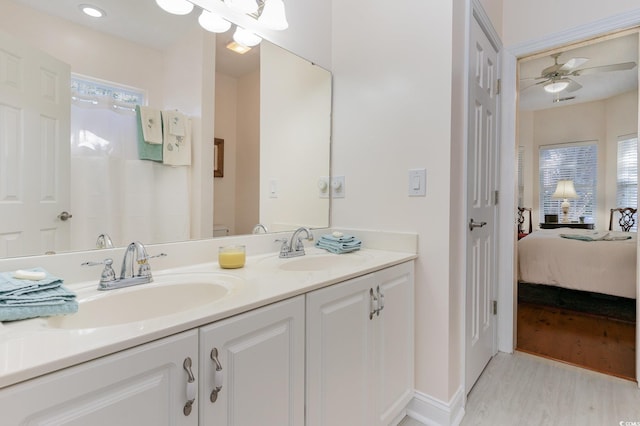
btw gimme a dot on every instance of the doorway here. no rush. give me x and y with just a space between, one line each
581 113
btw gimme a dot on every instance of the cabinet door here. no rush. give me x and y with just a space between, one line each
340 375
261 355
140 386
394 342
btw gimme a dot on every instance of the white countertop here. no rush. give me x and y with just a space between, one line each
30 348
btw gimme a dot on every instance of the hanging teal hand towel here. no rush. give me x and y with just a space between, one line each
146 151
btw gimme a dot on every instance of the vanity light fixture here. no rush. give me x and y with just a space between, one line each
555 86
213 22
92 11
176 7
246 37
237 47
273 15
243 6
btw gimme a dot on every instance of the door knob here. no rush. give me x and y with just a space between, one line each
64 216
473 224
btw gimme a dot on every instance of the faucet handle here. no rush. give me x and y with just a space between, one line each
144 259
108 274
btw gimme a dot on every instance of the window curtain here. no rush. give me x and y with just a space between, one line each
114 192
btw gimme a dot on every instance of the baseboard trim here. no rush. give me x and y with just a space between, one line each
434 412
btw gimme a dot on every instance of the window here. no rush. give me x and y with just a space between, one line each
572 161
627 172
520 176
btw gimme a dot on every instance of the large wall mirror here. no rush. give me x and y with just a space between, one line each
271 109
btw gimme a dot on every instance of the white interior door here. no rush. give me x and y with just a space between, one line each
34 150
482 153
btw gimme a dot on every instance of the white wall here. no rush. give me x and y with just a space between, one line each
392 112
224 188
525 20
295 136
247 207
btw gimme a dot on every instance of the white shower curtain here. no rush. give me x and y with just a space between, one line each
114 192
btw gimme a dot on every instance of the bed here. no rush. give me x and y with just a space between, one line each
607 267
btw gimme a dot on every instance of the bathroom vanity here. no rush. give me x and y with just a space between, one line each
330 332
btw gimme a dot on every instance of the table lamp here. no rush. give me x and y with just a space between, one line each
565 190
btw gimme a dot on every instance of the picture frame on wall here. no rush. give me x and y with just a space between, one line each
218 157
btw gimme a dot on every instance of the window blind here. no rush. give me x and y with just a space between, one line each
572 161
627 172
521 176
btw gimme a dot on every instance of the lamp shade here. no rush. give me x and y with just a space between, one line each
565 189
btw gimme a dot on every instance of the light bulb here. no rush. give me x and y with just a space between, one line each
273 15
213 22
246 37
556 86
176 7
243 6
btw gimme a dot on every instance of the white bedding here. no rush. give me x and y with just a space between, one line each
607 267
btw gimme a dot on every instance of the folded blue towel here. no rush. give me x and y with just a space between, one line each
49 296
338 245
13 313
11 285
22 299
146 151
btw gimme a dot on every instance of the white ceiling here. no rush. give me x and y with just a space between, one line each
142 21
595 86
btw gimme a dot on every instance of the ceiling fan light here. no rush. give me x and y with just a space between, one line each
243 6
556 86
176 7
273 15
246 37
213 22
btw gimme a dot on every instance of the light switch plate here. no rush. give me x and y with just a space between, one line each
323 187
337 187
417 182
273 188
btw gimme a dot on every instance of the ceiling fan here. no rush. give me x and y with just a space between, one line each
556 78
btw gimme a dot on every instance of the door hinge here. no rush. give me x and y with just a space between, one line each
498 86
494 307
496 197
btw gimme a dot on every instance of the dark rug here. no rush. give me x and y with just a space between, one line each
612 307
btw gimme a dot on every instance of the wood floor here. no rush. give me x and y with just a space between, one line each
585 340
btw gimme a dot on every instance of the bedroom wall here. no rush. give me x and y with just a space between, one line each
602 121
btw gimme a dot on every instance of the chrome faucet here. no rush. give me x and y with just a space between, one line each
134 255
104 241
258 227
295 247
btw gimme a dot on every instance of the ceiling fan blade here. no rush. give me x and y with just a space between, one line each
605 68
573 63
573 86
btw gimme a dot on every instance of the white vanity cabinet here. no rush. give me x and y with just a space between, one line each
145 385
256 359
360 349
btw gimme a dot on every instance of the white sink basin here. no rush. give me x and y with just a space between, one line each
318 262
167 295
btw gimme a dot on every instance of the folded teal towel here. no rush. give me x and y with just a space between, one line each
146 151
338 245
22 299
14 313
11 285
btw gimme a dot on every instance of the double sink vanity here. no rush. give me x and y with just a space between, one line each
316 339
